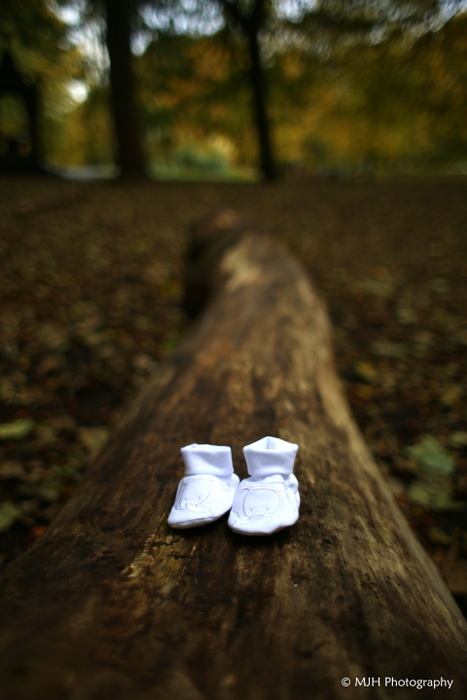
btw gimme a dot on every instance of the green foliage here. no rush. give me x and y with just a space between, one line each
9 513
190 91
38 42
432 488
32 28
16 430
367 107
192 161
431 456
193 157
13 117
396 104
51 488
351 90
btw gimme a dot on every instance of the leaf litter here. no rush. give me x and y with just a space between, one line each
90 293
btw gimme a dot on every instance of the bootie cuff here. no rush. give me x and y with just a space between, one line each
270 456
207 459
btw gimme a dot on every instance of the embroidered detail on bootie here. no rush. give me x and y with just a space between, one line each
269 499
207 490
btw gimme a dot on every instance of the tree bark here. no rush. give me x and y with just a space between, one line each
110 602
130 152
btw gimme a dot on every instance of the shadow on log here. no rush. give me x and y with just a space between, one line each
111 602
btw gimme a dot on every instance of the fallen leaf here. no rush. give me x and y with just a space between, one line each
366 371
93 439
454 570
451 395
38 530
17 429
11 470
438 536
385 348
380 287
430 455
433 487
9 513
458 438
434 491
406 315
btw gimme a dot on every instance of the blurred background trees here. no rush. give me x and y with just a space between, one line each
185 88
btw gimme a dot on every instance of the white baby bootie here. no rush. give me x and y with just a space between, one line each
267 501
207 490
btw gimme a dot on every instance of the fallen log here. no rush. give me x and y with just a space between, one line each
110 602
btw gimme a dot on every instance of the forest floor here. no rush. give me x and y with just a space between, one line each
90 290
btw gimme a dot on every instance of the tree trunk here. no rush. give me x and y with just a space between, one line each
110 602
34 96
122 88
267 165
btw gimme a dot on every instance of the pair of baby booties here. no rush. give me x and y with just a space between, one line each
264 503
